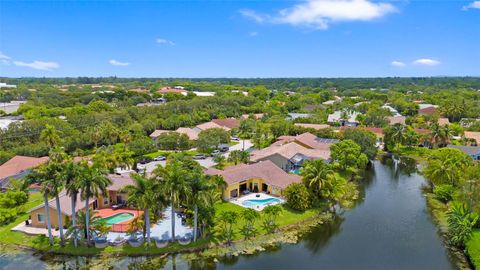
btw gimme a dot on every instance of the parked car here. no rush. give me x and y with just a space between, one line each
215 152
145 160
224 147
235 138
199 156
160 158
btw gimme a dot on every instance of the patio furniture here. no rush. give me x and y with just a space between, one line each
187 239
135 242
118 241
118 206
161 243
101 243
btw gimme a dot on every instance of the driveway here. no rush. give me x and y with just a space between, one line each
239 146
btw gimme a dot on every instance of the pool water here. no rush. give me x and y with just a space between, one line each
117 218
295 171
260 202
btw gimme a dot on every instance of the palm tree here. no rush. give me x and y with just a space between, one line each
70 175
40 175
200 194
249 216
398 133
89 216
143 194
93 181
174 184
50 136
316 173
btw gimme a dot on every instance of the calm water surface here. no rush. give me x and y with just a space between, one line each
389 228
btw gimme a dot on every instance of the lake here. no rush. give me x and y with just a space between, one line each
389 228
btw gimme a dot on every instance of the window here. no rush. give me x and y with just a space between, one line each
105 201
41 218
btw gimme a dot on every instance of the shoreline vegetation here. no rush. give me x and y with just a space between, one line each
467 258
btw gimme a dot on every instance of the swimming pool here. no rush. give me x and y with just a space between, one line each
295 171
117 218
260 202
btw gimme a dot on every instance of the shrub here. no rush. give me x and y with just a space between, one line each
7 215
297 196
444 192
11 199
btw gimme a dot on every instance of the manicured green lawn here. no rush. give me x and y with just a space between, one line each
287 216
473 248
7 237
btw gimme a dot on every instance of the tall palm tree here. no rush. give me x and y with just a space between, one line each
50 136
70 175
200 194
143 194
41 175
174 184
93 181
316 173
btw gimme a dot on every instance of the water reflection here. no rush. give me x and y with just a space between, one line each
320 236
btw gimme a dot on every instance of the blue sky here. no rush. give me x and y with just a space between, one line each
310 38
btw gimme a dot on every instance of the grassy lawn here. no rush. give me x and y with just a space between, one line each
473 248
9 238
287 216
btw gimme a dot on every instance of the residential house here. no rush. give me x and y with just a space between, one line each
204 94
473 135
113 197
392 110
338 119
472 151
264 176
443 121
17 167
255 116
289 152
166 90
155 134
392 120
230 123
294 116
191 133
427 109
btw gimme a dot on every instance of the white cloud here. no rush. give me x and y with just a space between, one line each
398 64
118 63
4 57
253 34
318 14
164 41
426 62
473 5
253 15
38 65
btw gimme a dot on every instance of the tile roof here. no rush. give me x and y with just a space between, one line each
19 164
158 132
171 90
469 150
266 170
396 120
443 121
227 122
428 110
473 135
118 182
211 124
192 134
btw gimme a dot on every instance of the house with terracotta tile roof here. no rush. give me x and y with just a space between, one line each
114 197
428 111
392 120
474 135
191 133
289 152
263 176
443 121
17 167
230 123
177 90
156 133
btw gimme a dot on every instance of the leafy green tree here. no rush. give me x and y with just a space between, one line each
173 141
347 154
50 136
298 197
316 173
366 139
220 160
174 184
201 194
212 138
93 181
460 224
270 215
226 220
145 194
250 216
446 166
